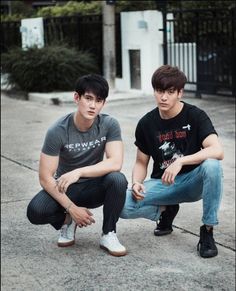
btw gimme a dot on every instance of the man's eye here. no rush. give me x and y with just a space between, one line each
99 100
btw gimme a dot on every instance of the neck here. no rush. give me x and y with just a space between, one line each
81 123
172 112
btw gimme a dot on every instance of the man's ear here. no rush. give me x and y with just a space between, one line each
76 97
180 94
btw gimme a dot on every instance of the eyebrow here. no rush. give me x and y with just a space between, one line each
95 97
88 95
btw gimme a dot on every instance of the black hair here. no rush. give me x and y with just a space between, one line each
93 83
167 77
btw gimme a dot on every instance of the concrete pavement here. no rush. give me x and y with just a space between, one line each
30 257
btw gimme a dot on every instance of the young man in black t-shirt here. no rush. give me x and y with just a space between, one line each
185 149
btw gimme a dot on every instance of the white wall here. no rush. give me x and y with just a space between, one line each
148 40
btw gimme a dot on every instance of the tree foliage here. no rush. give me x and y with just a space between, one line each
71 8
21 10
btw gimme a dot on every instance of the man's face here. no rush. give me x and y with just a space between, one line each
89 105
167 99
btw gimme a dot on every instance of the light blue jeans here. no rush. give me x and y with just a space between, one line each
204 182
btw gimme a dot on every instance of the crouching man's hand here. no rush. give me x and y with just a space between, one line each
81 215
171 172
138 191
67 179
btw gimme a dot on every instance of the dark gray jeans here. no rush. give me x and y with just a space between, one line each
108 190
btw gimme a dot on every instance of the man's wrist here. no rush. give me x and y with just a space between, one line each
78 173
136 182
68 207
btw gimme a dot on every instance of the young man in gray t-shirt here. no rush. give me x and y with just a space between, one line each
75 175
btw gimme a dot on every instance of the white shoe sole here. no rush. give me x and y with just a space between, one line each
115 254
66 244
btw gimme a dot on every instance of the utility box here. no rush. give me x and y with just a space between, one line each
32 33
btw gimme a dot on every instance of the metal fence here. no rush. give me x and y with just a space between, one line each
81 32
10 35
202 44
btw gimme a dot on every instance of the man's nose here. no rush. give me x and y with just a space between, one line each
92 103
164 95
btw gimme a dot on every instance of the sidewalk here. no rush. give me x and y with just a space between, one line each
31 259
67 97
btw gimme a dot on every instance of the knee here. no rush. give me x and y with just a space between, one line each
126 213
33 212
129 208
212 167
117 179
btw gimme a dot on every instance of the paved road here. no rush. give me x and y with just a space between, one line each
32 261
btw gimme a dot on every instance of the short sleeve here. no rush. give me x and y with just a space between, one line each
114 131
52 142
205 126
140 138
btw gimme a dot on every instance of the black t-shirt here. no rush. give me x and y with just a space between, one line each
167 139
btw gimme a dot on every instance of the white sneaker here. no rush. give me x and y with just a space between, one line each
110 243
67 234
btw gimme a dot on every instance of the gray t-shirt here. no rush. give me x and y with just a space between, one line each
77 148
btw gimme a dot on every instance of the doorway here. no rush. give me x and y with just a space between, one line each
135 70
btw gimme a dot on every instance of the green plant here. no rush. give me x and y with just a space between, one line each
52 68
19 10
71 8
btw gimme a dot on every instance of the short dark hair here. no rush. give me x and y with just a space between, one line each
167 77
93 83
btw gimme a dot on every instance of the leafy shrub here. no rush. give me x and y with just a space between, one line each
52 68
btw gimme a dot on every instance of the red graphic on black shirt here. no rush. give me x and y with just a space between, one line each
172 134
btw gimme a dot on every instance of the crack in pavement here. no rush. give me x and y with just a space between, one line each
19 163
190 232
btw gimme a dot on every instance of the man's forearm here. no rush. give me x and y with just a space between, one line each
139 173
100 169
50 186
202 155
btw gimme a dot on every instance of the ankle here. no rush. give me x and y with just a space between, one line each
67 219
209 227
162 208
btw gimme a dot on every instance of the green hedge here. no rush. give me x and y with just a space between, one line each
52 68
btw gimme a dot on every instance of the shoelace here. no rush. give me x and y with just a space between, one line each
113 237
63 230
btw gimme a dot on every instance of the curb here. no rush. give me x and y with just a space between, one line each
57 98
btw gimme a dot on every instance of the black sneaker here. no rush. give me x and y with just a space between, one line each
206 246
164 225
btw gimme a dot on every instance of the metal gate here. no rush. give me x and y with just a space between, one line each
202 44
